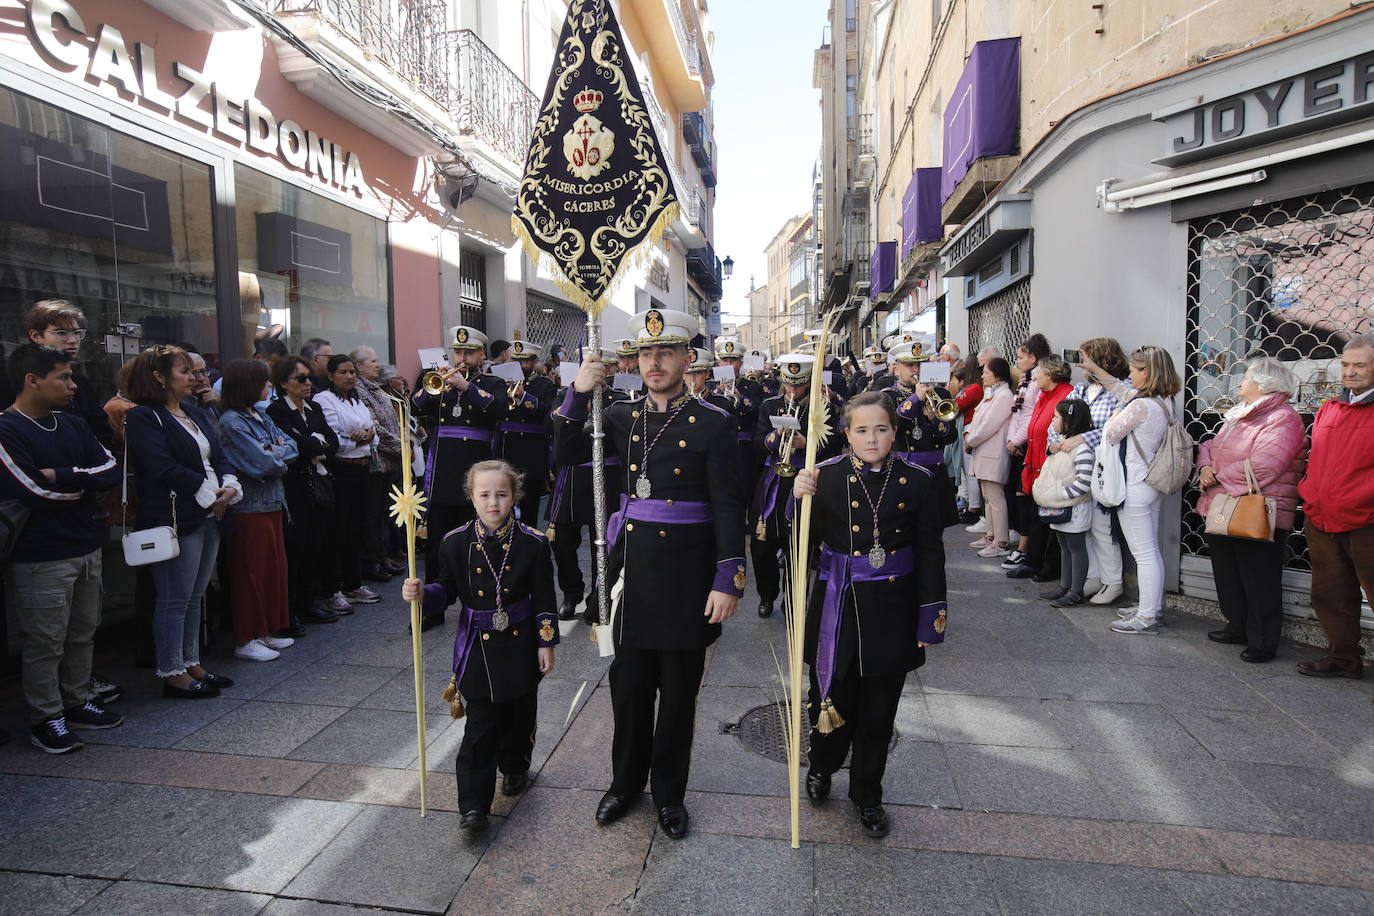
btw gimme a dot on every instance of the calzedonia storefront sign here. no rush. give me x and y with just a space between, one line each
59 31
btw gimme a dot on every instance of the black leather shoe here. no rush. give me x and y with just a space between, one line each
318 615
217 680
874 821
1020 572
1053 593
199 690
473 820
295 631
1226 637
567 611
817 785
1045 575
515 783
376 574
612 808
1068 599
1257 655
766 608
673 820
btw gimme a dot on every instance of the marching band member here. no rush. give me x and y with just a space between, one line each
921 436
748 395
523 436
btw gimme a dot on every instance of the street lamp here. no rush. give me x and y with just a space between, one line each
727 266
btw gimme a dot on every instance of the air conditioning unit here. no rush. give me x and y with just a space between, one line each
1012 264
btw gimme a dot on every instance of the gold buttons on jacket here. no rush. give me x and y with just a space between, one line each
670 502
635 437
856 528
899 505
855 504
634 467
635 414
486 636
901 480
662 534
682 443
482 594
479 570
691 419
677 470
853 479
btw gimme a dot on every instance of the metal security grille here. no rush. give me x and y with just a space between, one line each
1001 321
1292 280
550 323
472 290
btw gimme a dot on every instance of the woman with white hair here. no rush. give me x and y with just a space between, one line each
1265 430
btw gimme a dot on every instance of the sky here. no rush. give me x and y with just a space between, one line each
768 128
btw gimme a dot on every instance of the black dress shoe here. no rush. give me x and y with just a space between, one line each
199 690
1226 637
567 611
216 680
318 615
1068 599
1257 655
1020 572
874 821
612 808
1053 593
817 785
473 820
515 783
376 574
673 820
1045 575
766 608
295 631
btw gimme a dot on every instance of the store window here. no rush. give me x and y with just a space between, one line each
119 227
309 267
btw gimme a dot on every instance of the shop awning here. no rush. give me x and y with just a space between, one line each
983 113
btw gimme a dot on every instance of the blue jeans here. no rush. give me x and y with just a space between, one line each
180 584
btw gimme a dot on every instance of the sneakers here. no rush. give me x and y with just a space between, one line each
980 525
362 595
255 650
1013 559
103 692
337 604
277 642
92 716
53 737
1137 624
992 550
980 543
1109 594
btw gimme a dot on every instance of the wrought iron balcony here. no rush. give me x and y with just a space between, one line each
686 38
704 267
490 100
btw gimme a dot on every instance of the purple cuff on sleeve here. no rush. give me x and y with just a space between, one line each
730 577
422 398
433 600
930 625
575 404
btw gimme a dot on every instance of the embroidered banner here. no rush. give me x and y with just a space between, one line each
595 194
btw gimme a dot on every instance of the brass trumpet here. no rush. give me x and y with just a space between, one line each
433 381
945 409
515 391
784 467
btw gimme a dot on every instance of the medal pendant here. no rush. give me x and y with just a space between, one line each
877 557
500 620
642 487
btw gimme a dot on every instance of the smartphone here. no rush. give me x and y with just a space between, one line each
1072 356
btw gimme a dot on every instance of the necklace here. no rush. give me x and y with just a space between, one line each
36 423
877 556
500 619
643 489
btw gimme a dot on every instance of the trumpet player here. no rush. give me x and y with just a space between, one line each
781 452
523 436
925 421
747 394
468 406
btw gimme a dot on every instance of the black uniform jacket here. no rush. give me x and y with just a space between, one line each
571 502
773 492
528 448
917 432
669 567
481 407
501 664
878 622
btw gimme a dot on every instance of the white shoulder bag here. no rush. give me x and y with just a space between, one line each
147 545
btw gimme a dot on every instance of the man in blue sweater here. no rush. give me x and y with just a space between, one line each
53 463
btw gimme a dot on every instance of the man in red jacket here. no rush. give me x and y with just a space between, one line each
1338 500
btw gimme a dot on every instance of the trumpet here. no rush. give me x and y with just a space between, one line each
784 467
434 380
515 391
945 409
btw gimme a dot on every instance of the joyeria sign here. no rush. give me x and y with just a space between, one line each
59 31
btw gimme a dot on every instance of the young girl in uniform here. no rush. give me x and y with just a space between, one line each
500 572
878 603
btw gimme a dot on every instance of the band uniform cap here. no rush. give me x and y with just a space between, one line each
795 368
663 327
625 346
608 354
700 360
906 353
524 349
729 348
462 337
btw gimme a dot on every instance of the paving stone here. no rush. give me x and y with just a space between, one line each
852 879
262 729
1100 681
971 677
359 865
1291 859
1007 721
582 758
191 769
1223 894
721 874
720 761
1032 780
253 678
370 737
162 723
918 773
398 692
1257 737
1122 728
45 895
1185 790
1317 803
284 907
125 897
1208 688
1062 888
323 684
382 786
379 650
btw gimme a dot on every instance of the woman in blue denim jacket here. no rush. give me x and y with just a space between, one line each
259 453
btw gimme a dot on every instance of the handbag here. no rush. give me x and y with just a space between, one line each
321 487
1054 515
1250 517
1109 474
148 545
1172 465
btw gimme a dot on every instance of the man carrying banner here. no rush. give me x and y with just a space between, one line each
682 512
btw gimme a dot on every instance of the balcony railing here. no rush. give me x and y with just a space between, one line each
704 267
490 100
686 38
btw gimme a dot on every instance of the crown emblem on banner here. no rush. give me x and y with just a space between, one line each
587 100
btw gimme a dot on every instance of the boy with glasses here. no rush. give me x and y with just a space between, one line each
58 323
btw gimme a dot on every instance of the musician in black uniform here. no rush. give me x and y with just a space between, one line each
747 396
878 603
676 562
500 574
768 377
522 438
572 508
922 436
767 515
468 410
878 375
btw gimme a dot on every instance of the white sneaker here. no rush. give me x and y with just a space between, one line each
1013 536
976 527
254 650
1109 594
1137 624
277 642
1125 613
992 550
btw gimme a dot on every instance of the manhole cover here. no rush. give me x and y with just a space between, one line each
761 730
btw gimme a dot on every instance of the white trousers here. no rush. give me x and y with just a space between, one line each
1104 557
1140 523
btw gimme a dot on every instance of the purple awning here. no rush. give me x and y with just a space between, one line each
982 116
883 268
921 221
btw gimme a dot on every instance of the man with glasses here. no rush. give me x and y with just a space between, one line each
58 323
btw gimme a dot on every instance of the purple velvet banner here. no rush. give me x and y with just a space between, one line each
883 267
921 221
982 116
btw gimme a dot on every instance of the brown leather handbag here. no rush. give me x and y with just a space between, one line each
1250 516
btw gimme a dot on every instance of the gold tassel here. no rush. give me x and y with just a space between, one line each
550 533
760 531
454 699
829 719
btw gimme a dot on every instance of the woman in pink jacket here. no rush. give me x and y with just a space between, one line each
986 440
1266 429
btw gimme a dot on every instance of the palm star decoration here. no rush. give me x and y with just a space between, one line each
406 504
825 428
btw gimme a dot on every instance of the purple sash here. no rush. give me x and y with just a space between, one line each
927 458
744 437
450 432
657 511
838 572
768 496
470 622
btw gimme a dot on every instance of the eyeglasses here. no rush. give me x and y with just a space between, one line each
69 333
201 372
300 379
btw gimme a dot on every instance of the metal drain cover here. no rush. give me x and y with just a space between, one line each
762 730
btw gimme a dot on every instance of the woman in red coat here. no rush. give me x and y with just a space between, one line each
1041 560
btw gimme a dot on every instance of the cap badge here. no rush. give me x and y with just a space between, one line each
653 323
462 335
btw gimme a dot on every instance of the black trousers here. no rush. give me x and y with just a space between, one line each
567 540
1249 580
304 549
868 705
377 540
496 736
1042 548
350 513
767 575
645 748
529 506
439 521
